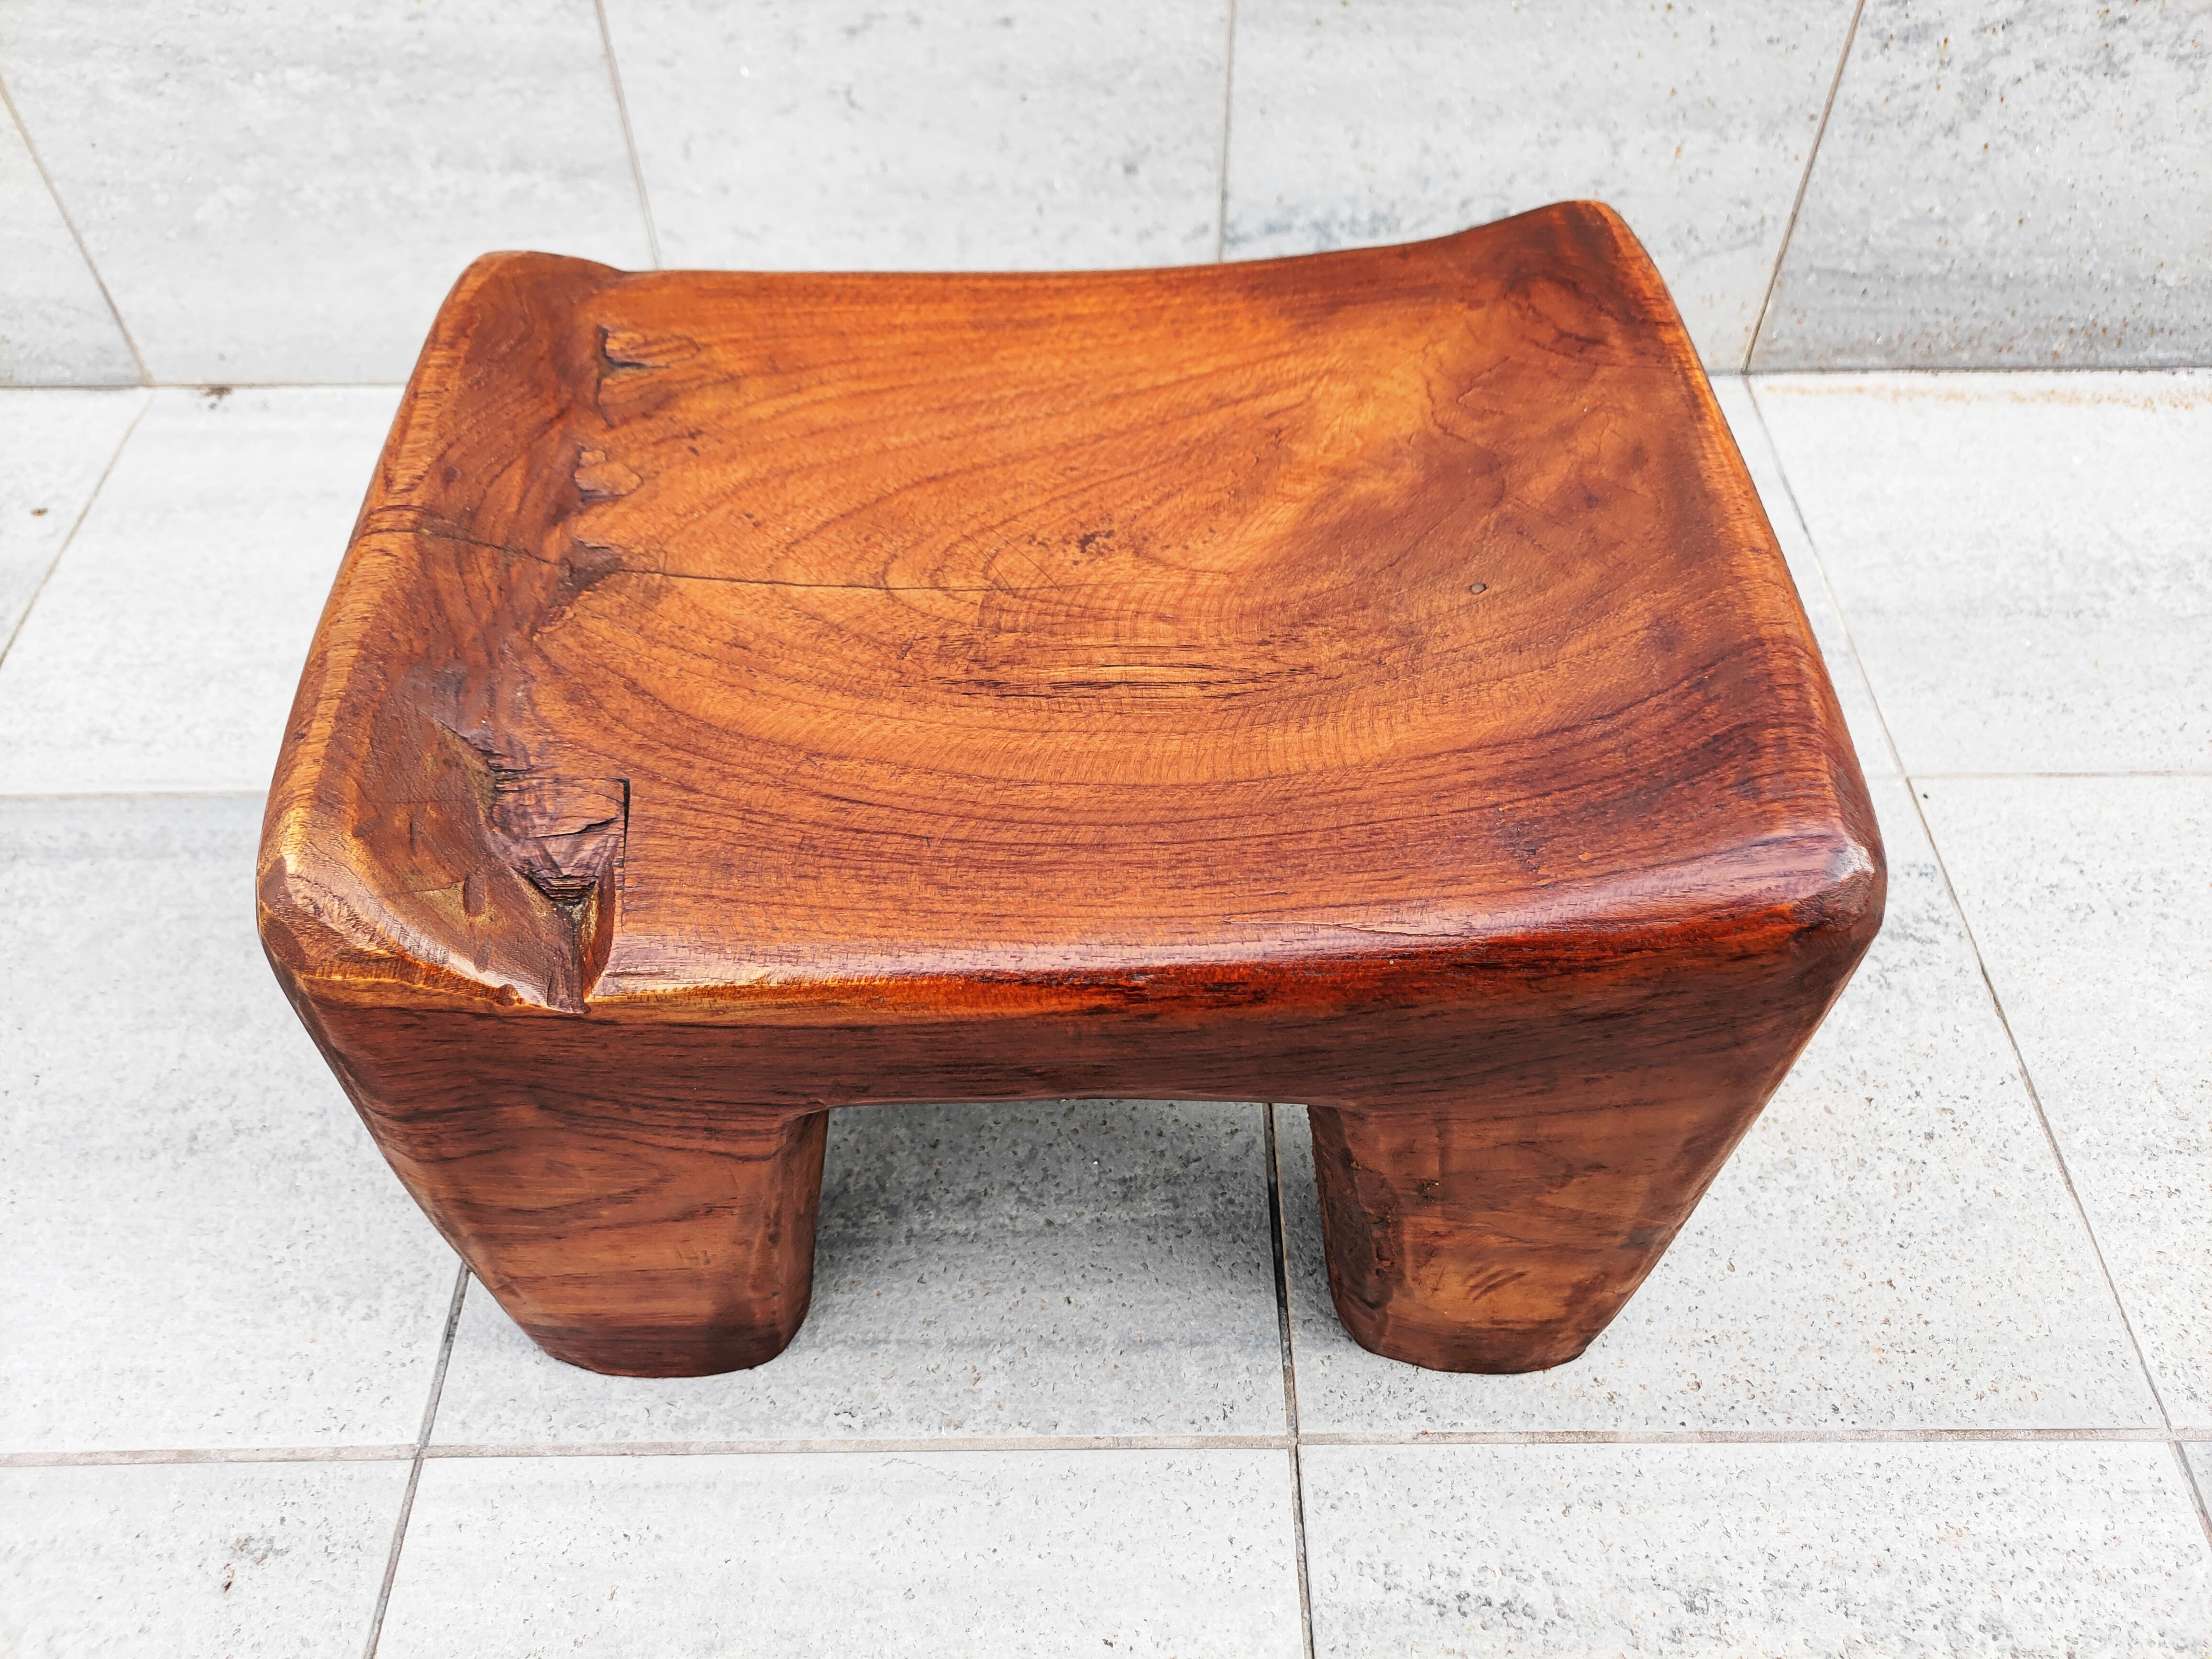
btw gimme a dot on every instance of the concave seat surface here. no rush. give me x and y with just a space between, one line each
1326 678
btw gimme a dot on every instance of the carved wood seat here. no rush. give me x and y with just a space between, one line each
1365 679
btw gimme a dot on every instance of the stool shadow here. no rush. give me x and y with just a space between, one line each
1076 1227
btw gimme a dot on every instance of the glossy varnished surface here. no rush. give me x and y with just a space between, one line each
1365 679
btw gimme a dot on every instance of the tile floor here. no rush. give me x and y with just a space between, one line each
1930 1371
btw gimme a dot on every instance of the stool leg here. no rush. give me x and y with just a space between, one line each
603 1185
635 1252
1467 1242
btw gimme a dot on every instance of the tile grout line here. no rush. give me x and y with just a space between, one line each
1221 198
983 1444
145 403
138 794
2193 1486
2000 777
2051 1138
630 138
1981 964
466 1452
1278 1240
1814 371
2050 1135
415 1468
1804 182
284 385
1747 1437
68 223
156 1455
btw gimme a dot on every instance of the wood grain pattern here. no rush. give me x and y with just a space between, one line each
1365 679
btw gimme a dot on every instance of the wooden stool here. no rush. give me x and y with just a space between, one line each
1365 679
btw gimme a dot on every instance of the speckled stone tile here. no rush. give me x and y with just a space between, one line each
1891 1247
2090 900
203 1249
2020 558
57 444
55 327
165 649
1384 122
2007 185
976 135
2049 1548
937 1553
1094 1268
1860 715
284 194
235 1560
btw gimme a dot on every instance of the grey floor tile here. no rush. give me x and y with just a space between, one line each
965 1552
58 445
1096 1268
235 1560
2049 1548
204 1250
2020 559
974 136
2088 898
1383 122
1860 713
285 196
55 325
1891 1247
164 651
2006 185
